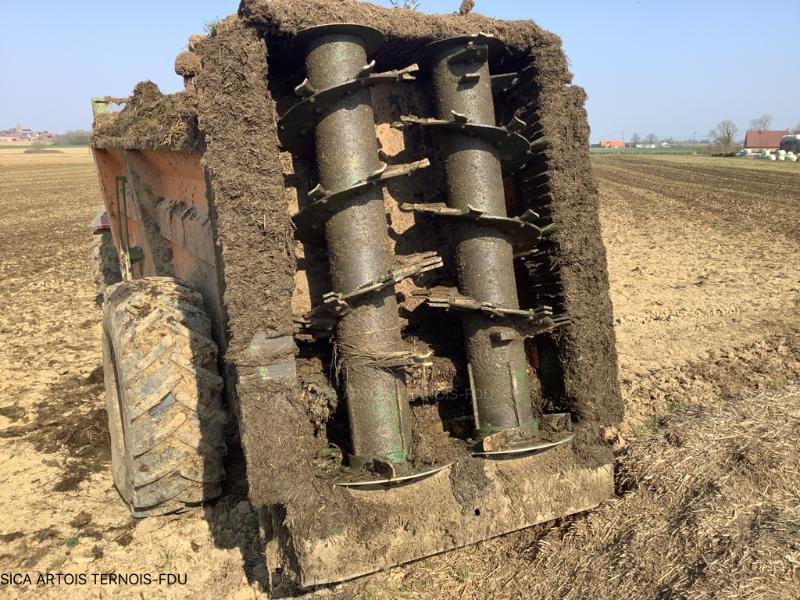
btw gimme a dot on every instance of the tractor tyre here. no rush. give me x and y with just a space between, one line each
105 264
163 396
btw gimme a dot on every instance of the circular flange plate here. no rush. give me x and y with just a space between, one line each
385 482
524 448
373 39
423 56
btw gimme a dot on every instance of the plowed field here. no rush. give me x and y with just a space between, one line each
704 259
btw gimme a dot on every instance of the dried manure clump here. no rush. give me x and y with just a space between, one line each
187 64
150 120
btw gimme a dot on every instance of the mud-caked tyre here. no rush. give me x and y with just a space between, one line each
104 261
163 396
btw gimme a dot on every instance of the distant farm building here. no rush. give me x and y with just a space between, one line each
23 134
763 140
612 144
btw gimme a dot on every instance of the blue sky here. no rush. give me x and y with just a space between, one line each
670 67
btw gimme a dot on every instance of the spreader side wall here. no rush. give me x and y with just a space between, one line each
254 241
167 216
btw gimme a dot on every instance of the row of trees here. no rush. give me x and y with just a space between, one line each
73 137
652 139
761 123
764 122
649 139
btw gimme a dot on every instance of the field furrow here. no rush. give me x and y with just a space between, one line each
704 265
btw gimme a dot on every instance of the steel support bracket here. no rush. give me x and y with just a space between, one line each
297 124
321 320
473 51
315 327
523 231
513 148
99 106
503 82
310 221
528 323
494 47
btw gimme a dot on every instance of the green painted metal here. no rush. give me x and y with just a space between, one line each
473 148
357 240
135 254
99 106
129 255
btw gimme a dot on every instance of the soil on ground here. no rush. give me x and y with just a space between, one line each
704 263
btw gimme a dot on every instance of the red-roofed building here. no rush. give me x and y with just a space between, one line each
612 144
764 140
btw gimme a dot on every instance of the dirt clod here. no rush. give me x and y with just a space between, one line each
13 412
187 64
81 520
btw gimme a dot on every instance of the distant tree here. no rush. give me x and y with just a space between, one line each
761 123
36 147
74 137
650 139
796 128
724 133
636 140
